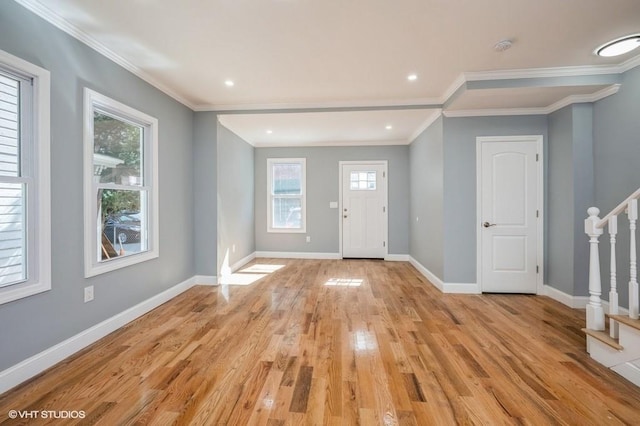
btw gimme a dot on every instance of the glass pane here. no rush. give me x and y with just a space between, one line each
287 213
12 234
287 178
361 181
9 126
117 150
122 218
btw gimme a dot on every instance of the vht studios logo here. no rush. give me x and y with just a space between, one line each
45 414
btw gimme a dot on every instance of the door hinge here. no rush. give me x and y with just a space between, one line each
537 157
384 174
384 209
537 269
537 213
384 244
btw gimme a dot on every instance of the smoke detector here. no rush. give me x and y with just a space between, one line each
502 45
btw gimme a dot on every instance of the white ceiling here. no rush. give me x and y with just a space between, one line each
329 53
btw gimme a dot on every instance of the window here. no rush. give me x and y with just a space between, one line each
25 224
363 181
286 187
121 174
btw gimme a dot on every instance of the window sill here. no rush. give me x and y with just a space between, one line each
113 265
286 231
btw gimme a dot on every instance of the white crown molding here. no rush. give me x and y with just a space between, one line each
453 88
630 64
553 72
56 20
569 100
331 143
494 112
578 99
417 103
425 125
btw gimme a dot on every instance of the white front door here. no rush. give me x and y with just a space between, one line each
364 210
509 213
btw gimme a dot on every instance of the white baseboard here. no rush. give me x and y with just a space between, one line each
240 263
297 255
452 288
576 302
397 258
437 282
36 364
462 288
205 280
629 372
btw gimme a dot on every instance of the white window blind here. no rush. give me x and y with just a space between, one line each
14 96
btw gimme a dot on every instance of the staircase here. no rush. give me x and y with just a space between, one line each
613 339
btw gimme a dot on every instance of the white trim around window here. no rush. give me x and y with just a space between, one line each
146 185
33 142
292 196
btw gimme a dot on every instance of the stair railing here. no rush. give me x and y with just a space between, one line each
594 227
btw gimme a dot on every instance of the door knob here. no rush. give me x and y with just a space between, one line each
345 216
487 224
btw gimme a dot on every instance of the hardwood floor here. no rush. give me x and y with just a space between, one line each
337 342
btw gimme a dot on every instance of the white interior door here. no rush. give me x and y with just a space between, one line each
364 210
509 214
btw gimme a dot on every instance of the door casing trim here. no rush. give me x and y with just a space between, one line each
538 139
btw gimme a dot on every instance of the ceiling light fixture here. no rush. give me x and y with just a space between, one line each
269 132
229 83
502 45
619 46
388 127
412 77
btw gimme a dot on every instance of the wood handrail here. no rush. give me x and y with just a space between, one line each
619 209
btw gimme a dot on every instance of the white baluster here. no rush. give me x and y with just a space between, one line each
595 312
632 212
613 292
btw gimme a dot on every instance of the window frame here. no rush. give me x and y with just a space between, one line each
149 162
271 196
36 174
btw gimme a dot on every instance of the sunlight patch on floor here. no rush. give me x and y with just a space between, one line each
261 269
344 282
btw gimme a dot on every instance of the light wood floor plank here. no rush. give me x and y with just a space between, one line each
327 342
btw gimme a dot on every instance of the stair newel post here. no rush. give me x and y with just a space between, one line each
613 292
595 311
632 212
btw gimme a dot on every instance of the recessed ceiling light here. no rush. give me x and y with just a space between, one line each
269 132
412 77
229 83
619 46
388 127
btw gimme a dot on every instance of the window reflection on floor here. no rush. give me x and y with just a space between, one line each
344 282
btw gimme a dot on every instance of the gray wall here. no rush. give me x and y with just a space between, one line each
322 187
427 191
583 192
570 195
560 223
38 322
235 198
460 184
205 183
616 131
